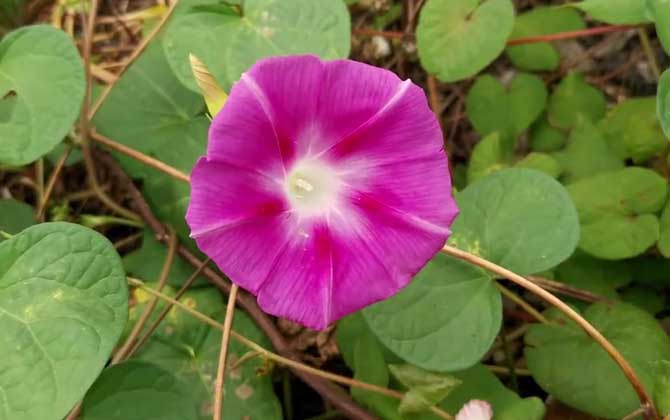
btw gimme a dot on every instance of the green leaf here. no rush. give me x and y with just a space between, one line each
15 216
454 37
460 313
660 14
582 270
644 298
664 237
147 262
369 366
508 110
519 218
586 154
479 383
616 211
229 44
349 330
572 99
619 12
571 366
487 157
190 349
632 131
662 387
137 390
539 21
544 138
151 111
37 107
541 162
663 102
63 305
425 389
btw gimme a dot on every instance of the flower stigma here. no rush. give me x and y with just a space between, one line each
312 188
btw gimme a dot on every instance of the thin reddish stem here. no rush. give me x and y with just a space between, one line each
596 30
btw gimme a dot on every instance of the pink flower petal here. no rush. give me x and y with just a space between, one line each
325 188
475 410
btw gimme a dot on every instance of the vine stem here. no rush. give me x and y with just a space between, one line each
128 346
280 359
52 182
136 53
626 368
649 52
519 301
141 157
221 371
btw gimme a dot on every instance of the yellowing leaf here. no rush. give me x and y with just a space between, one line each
214 95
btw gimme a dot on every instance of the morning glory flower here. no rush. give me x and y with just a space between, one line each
475 410
325 187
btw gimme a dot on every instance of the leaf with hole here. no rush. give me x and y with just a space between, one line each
519 218
15 216
632 130
617 211
620 12
228 44
541 56
63 305
509 110
37 107
573 99
454 37
460 313
572 367
190 349
137 390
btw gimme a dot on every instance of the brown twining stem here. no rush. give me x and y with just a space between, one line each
52 182
89 163
334 394
136 53
567 290
167 307
626 368
281 359
596 30
129 346
141 157
221 371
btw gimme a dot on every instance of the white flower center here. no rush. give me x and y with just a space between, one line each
312 188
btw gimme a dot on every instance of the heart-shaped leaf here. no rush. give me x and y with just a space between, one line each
586 154
37 107
147 262
460 313
228 44
508 110
479 383
137 390
454 37
151 111
623 12
660 13
575 369
536 22
519 218
663 102
63 305
632 130
616 211
15 216
190 349
487 157
574 99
